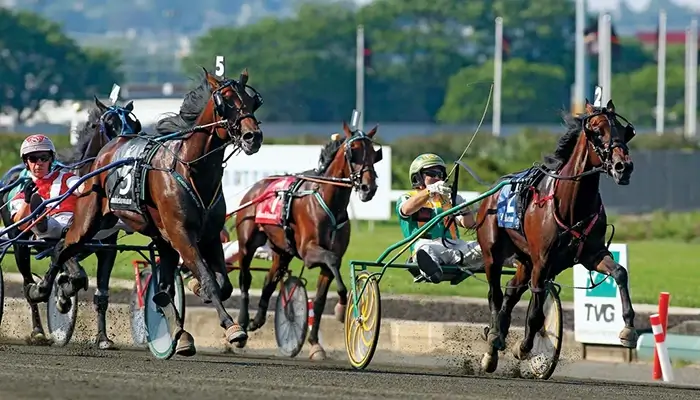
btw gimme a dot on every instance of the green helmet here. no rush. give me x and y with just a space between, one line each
421 162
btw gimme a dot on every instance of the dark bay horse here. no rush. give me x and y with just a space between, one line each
168 187
316 228
102 125
563 223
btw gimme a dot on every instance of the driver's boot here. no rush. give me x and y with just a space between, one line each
429 267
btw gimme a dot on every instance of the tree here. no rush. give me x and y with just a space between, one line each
38 62
530 92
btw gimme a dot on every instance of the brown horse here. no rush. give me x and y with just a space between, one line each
103 124
315 227
563 223
168 187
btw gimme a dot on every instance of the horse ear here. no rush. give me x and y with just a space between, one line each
244 76
99 104
213 82
346 129
130 105
610 106
589 107
373 131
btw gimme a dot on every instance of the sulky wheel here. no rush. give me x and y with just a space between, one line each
362 324
544 355
160 341
61 326
291 317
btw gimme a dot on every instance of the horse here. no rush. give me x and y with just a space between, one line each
563 224
103 124
168 186
314 226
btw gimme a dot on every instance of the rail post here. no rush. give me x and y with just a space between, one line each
661 349
664 298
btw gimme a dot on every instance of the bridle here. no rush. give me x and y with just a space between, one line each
221 107
123 114
604 150
355 175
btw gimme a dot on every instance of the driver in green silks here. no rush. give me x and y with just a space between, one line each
431 196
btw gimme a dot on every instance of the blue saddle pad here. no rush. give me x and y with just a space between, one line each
507 213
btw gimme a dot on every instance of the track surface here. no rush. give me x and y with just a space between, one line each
80 372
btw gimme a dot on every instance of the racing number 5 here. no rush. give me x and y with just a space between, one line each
220 67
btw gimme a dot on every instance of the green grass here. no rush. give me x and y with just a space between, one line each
655 266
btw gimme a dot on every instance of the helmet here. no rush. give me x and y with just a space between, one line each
36 143
421 162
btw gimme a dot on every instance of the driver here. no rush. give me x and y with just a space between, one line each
431 196
38 155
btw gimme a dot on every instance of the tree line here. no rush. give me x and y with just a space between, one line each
431 61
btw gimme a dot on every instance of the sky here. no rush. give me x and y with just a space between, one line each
634 4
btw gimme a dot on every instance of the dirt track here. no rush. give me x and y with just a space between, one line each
79 372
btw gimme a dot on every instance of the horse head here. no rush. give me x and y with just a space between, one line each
234 103
354 158
609 139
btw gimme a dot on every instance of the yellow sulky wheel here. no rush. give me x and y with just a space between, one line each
362 333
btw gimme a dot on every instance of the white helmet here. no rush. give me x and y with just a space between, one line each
36 143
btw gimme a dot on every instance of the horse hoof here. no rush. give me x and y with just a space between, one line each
489 362
105 344
628 338
235 334
340 312
39 339
185 346
241 344
316 353
518 351
194 286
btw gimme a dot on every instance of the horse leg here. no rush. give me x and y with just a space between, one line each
342 305
187 247
105 264
248 241
316 351
493 263
280 263
628 335
517 286
164 298
535 310
213 253
24 265
85 225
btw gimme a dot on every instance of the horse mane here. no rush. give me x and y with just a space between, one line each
567 143
328 152
191 107
85 133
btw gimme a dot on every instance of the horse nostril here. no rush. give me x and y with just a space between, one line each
248 136
619 166
364 187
